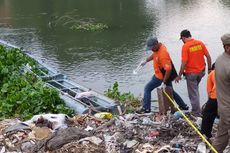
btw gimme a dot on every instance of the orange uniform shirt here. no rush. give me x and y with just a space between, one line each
193 53
161 59
211 85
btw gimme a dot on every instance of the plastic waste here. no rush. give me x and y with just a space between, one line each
53 121
147 121
3 150
177 145
165 148
28 66
130 143
104 115
93 139
153 133
138 68
84 94
216 121
26 69
88 128
199 122
177 115
201 148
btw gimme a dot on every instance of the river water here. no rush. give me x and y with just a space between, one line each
96 59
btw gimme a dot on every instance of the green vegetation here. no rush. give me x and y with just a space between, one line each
73 21
23 94
130 102
89 27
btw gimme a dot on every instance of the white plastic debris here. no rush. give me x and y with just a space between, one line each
138 68
147 121
84 94
198 122
88 128
146 148
93 139
3 150
57 120
130 143
201 148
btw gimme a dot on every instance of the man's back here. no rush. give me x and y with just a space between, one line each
193 52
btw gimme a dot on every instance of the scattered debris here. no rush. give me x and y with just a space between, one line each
71 20
129 133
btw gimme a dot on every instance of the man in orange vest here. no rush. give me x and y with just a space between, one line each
193 66
163 67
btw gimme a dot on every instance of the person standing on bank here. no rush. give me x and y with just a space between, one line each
164 71
193 66
222 72
209 112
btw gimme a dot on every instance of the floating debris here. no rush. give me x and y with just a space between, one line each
73 21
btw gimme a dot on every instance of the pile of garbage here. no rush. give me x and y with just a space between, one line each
101 133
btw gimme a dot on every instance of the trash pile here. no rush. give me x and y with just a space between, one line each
129 133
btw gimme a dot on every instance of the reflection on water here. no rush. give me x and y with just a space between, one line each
98 59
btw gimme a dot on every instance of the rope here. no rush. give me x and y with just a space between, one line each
190 123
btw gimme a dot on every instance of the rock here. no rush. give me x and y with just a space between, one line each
64 136
27 147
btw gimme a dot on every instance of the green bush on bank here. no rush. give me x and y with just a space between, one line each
24 95
130 102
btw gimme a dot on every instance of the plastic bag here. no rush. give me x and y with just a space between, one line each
104 115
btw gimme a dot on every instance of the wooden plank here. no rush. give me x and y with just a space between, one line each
164 102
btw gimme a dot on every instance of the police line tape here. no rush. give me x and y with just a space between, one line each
191 124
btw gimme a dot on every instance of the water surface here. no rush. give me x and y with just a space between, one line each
98 59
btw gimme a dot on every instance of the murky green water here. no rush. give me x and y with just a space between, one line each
98 59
